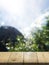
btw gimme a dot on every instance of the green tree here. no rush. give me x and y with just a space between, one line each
41 38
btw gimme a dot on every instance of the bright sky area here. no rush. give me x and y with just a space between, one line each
22 14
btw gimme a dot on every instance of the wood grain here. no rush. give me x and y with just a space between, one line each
24 57
30 57
41 58
16 57
46 56
4 56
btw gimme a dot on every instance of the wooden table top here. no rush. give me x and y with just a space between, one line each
24 57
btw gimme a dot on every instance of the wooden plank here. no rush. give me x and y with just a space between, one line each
41 58
4 56
30 57
16 57
24 57
46 56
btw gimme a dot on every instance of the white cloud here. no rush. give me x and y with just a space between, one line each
22 13
12 6
2 23
39 21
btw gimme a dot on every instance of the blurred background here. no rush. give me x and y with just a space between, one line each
28 19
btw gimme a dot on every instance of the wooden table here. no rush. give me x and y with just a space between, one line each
33 58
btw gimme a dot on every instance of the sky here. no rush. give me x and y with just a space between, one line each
22 14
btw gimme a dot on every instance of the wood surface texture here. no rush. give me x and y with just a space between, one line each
24 57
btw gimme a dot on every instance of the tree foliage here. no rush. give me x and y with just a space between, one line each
39 41
41 37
